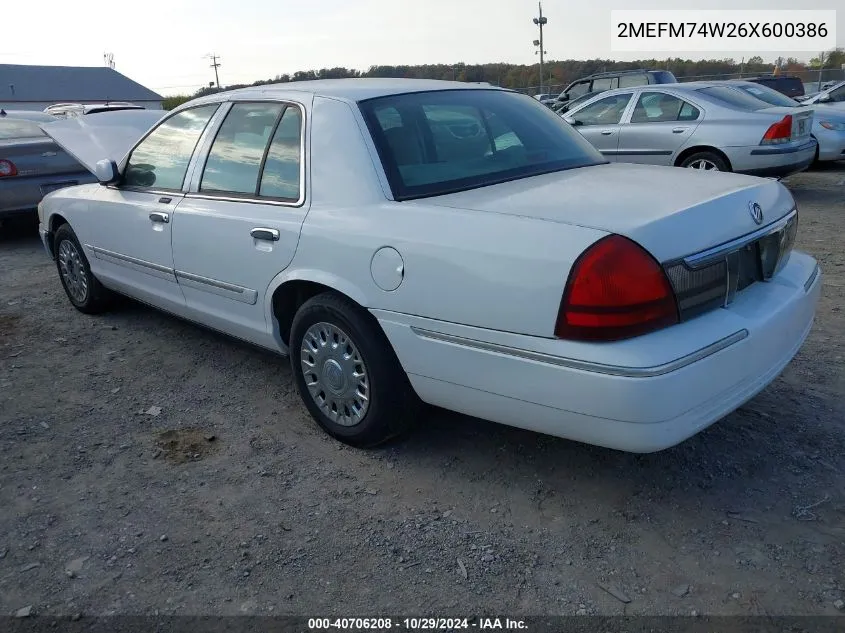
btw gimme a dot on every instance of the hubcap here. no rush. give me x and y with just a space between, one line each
73 271
335 374
703 163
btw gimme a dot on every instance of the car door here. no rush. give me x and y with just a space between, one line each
239 224
656 128
129 224
598 122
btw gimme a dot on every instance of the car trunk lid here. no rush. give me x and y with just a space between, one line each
672 212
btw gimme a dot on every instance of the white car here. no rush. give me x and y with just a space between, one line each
457 244
833 96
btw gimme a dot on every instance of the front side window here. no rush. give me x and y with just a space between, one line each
838 95
632 81
605 83
162 158
657 107
606 111
453 140
578 90
235 157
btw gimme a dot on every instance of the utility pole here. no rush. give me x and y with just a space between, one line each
540 21
215 65
821 69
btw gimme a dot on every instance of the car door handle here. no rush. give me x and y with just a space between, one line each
679 130
162 218
606 132
165 200
259 233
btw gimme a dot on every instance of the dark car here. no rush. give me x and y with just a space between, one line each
588 86
784 84
31 164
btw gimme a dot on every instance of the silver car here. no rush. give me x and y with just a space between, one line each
828 123
699 125
31 164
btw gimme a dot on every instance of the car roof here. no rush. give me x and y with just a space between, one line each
353 89
30 115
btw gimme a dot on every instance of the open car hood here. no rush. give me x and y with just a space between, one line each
104 135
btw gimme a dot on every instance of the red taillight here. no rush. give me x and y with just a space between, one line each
7 168
779 132
615 290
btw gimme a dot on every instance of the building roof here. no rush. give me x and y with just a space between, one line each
353 89
69 83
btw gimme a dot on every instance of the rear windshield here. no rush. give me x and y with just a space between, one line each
438 142
734 98
19 128
769 96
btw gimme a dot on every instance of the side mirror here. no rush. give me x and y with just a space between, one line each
106 171
563 97
573 122
825 99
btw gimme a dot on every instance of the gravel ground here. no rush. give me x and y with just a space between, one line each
150 466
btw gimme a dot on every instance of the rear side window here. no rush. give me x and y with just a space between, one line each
734 98
19 128
282 167
235 158
162 158
656 107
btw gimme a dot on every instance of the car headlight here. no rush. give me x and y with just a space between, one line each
833 125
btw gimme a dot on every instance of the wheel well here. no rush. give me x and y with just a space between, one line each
702 148
288 297
56 221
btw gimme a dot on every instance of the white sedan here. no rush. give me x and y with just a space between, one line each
458 244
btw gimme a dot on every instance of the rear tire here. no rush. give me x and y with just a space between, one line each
82 288
347 374
705 161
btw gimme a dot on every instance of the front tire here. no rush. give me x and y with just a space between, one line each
82 288
347 373
705 161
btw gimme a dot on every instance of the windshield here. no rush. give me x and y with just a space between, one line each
19 128
734 98
438 142
768 95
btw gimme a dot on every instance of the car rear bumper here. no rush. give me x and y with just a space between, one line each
775 161
22 194
648 402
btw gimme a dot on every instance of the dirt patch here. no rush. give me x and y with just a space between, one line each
8 324
185 445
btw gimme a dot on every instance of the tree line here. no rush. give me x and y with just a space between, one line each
527 77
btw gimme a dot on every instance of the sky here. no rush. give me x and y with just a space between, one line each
162 44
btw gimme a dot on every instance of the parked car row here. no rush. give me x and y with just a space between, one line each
31 164
740 126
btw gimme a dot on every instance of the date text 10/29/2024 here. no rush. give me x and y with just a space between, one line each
416 624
